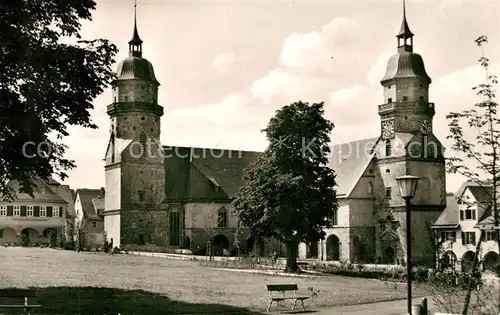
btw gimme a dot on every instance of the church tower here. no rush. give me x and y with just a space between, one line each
407 145
135 174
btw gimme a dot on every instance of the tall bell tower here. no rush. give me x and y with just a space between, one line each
135 174
407 145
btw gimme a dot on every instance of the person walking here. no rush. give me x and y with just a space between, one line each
111 246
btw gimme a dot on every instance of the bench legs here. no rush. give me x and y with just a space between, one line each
271 302
295 303
269 306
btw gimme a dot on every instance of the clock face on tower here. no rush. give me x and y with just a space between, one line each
425 127
387 129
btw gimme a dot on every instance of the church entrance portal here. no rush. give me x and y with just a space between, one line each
220 243
389 256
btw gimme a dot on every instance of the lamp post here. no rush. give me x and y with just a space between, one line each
407 187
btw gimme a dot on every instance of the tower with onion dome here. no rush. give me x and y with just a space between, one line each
134 168
407 145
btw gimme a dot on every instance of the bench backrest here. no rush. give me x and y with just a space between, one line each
282 287
17 293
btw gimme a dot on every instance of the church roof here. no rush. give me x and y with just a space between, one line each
349 161
205 173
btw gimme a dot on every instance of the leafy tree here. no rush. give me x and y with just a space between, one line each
289 191
482 153
45 85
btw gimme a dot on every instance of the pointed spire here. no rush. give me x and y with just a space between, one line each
405 34
135 44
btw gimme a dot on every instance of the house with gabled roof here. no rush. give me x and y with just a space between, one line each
458 228
89 219
39 220
172 197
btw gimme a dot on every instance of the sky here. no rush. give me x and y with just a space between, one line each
225 67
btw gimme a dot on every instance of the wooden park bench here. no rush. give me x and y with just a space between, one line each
17 295
277 293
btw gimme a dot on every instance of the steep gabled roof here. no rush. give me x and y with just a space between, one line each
222 168
98 203
86 196
449 218
481 194
41 191
67 194
349 161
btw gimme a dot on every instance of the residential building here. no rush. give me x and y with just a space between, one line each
457 231
37 220
89 219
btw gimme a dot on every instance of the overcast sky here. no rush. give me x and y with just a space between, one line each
226 66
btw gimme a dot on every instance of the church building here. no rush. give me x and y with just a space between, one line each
370 224
159 197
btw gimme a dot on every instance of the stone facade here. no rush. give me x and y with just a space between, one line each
370 224
175 201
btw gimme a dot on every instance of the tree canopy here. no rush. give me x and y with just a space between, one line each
45 85
289 190
478 158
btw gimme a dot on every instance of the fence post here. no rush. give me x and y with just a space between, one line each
420 308
425 309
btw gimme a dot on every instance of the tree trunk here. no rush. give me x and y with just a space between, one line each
472 283
292 250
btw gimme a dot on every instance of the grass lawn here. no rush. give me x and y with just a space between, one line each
68 282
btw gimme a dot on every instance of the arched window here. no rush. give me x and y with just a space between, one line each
388 148
369 189
222 217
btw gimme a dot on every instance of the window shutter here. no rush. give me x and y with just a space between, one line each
49 211
473 214
61 211
23 211
36 211
461 215
473 234
463 238
10 210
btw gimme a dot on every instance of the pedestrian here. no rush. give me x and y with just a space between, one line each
111 246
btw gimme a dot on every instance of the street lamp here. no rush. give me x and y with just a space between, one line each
407 187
